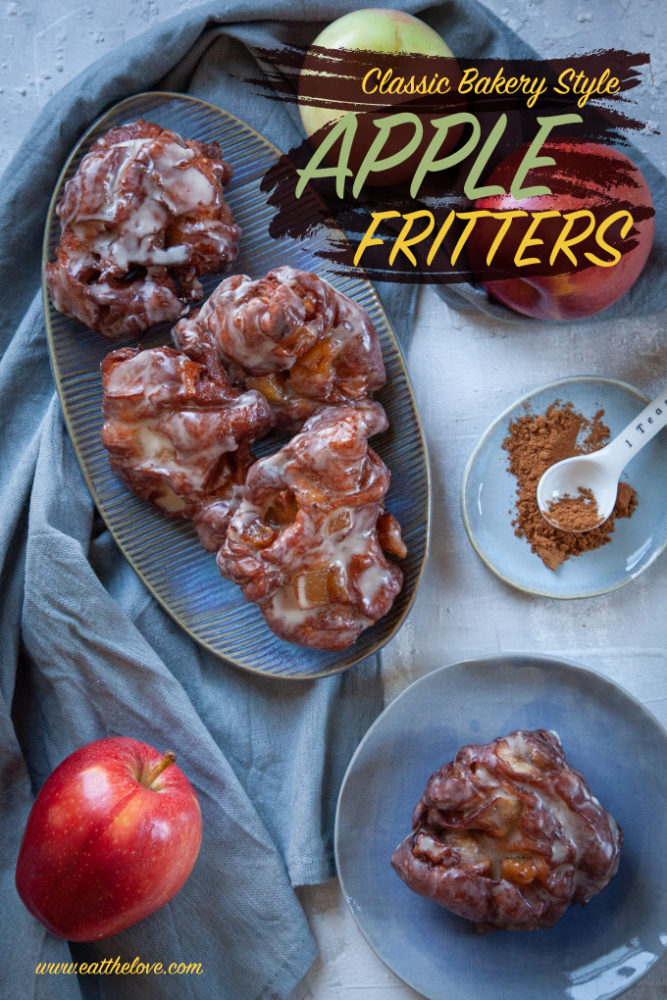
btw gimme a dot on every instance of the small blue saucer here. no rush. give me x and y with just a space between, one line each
489 494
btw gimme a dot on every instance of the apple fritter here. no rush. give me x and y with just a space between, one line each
308 541
291 335
509 835
142 219
178 434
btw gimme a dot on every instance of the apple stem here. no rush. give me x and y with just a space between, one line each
168 758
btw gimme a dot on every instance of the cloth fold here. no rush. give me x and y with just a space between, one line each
86 650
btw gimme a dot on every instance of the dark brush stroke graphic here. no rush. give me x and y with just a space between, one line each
333 78
333 82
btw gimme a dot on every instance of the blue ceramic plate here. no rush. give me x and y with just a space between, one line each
489 493
166 554
594 952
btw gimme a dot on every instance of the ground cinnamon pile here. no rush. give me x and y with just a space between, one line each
534 443
578 513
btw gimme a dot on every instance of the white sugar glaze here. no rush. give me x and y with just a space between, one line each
568 833
246 325
168 418
338 484
136 187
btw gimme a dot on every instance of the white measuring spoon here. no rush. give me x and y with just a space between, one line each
600 471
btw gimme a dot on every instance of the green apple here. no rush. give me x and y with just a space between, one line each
376 30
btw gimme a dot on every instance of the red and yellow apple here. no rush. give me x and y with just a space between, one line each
387 33
112 836
583 176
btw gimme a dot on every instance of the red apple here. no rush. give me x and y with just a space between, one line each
112 836
586 175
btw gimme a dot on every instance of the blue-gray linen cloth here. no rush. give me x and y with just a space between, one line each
87 652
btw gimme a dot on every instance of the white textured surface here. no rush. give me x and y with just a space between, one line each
465 371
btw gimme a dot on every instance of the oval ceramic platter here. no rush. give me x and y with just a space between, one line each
594 952
166 553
